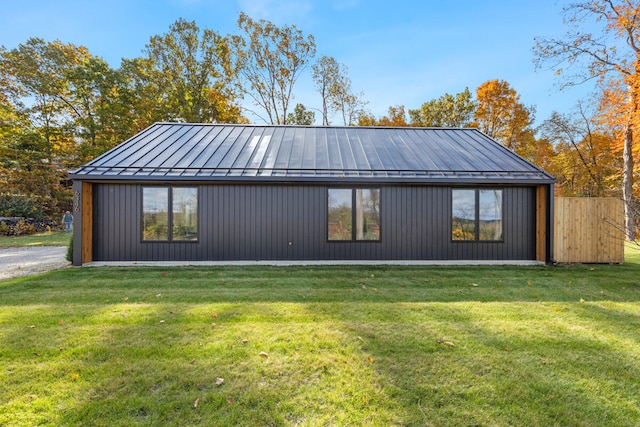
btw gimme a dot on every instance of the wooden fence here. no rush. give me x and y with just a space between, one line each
589 230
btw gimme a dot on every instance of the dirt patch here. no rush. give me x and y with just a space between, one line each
23 261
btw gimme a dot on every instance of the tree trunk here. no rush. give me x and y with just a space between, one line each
627 183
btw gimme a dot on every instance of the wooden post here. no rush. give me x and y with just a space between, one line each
82 222
541 223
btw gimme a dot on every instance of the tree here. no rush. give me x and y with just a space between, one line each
192 69
612 54
98 98
344 102
146 96
301 116
326 76
269 61
334 85
446 111
584 162
502 116
34 78
38 141
396 117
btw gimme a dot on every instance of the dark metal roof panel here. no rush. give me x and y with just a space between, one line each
296 153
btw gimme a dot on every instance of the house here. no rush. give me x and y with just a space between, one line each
218 192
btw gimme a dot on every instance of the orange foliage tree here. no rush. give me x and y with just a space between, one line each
612 57
396 117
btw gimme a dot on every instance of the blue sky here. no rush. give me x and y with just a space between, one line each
397 52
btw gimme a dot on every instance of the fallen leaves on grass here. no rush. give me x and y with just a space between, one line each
219 381
196 403
31 326
371 359
214 315
447 343
263 354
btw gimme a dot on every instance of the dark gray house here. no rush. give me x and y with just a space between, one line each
200 192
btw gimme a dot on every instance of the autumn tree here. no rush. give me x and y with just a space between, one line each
502 116
603 44
396 117
147 99
301 116
326 73
39 135
98 102
347 104
584 162
268 62
447 111
332 82
34 78
191 67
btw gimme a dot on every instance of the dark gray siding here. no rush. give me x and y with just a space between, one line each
257 222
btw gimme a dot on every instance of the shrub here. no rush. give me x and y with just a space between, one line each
70 250
24 228
19 205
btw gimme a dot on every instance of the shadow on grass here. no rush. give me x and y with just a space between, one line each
359 345
510 365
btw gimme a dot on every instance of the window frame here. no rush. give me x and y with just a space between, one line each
354 230
170 213
476 210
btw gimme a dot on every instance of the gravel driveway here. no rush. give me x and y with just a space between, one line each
38 259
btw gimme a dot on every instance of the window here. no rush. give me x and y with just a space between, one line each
344 223
181 225
476 215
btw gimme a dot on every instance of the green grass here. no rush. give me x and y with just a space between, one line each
43 239
365 346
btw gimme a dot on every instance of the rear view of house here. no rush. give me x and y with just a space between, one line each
207 192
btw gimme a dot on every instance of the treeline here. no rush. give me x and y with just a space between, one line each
61 106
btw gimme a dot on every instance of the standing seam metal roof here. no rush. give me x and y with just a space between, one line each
221 152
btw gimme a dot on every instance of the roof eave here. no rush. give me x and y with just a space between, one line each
319 179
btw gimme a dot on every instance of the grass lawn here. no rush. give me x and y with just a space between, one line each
318 346
43 239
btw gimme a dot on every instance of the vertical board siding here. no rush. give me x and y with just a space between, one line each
288 222
589 230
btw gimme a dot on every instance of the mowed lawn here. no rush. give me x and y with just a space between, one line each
42 239
323 346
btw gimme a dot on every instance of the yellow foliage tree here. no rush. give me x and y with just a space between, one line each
502 116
